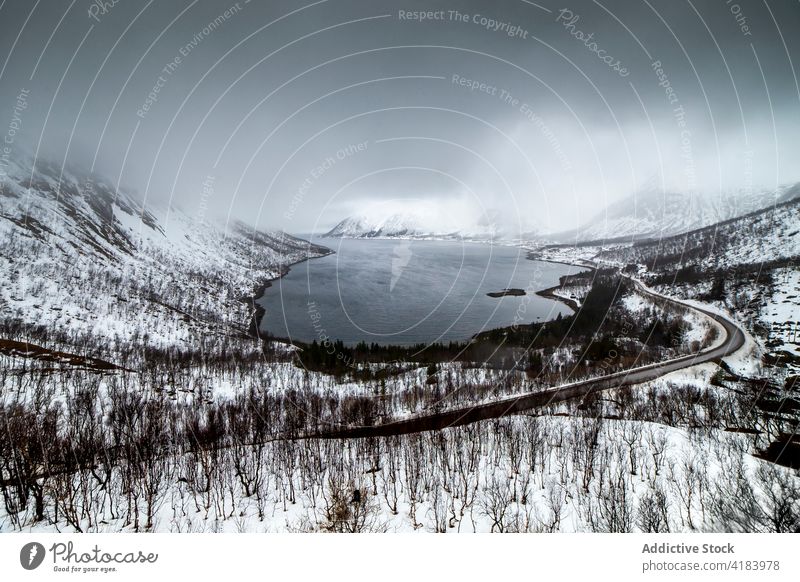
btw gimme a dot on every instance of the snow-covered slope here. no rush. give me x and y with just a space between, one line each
396 225
413 225
655 214
87 263
764 236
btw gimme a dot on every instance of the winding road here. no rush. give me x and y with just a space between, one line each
734 339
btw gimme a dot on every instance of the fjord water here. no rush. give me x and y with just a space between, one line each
405 292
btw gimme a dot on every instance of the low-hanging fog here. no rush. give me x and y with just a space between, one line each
294 116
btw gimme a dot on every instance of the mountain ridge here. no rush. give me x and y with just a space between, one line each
655 214
94 264
768 235
410 225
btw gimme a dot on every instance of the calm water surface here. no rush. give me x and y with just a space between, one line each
407 292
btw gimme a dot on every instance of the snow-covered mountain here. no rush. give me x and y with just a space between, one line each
362 227
654 214
413 225
83 260
770 235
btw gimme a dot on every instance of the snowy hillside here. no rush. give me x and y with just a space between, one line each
746 267
656 214
82 260
760 237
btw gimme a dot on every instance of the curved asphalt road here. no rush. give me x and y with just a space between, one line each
435 421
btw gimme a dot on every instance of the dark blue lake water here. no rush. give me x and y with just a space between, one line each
406 292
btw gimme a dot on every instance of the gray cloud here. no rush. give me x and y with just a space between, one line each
514 109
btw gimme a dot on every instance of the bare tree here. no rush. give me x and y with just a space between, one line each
652 515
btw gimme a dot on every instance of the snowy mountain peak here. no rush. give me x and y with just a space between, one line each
394 225
414 225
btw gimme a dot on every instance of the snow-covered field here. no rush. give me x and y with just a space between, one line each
524 474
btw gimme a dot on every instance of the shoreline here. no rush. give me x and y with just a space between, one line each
254 327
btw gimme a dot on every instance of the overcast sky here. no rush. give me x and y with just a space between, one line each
257 109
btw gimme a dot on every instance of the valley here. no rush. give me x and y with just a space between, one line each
152 403
366 268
